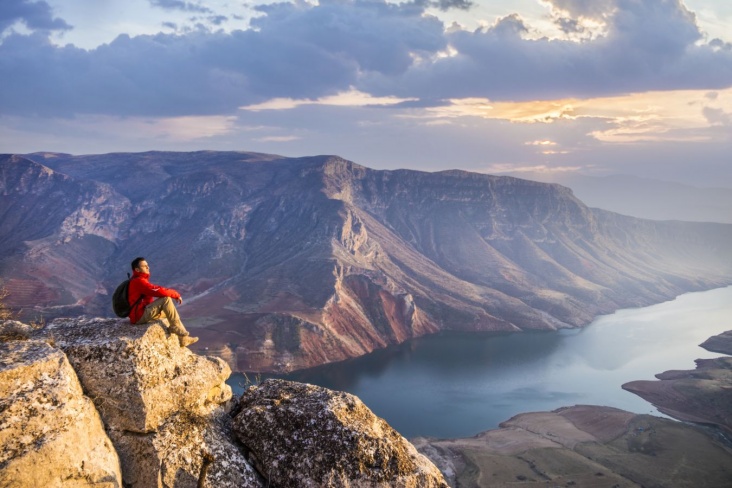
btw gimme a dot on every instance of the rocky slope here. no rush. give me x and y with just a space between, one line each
287 263
153 414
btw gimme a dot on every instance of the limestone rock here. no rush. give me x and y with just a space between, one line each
12 330
163 405
186 451
139 376
306 436
50 433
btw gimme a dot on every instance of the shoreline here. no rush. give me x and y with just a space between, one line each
588 445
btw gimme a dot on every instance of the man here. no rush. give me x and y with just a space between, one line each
151 302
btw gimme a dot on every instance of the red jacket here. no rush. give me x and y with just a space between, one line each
140 285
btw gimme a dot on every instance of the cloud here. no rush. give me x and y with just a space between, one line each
180 5
446 5
594 9
35 15
717 116
305 51
646 45
298 51
350 98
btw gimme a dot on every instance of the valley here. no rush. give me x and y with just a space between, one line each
288 263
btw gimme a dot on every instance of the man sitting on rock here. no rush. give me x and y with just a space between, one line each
146 308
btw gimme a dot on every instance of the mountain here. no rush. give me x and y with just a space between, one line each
645 197
287 263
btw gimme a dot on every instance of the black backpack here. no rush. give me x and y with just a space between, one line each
120 299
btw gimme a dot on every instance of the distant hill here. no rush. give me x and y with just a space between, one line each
286 263
644 197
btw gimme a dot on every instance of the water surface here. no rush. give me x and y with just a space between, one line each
460 384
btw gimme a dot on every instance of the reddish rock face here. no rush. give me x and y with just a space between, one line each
287 263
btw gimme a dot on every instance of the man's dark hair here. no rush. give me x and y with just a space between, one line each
136 262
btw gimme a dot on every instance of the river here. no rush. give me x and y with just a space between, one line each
458 384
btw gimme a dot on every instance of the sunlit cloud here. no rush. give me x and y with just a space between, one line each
187 128
541 143
350 98
276 139
540 111
652 116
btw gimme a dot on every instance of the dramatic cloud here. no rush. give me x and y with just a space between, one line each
651 44
293 51
309 51
35 15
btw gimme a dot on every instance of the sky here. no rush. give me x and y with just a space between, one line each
641 87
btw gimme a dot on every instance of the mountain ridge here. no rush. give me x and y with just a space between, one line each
294 262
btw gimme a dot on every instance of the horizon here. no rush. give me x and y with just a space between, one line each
640 88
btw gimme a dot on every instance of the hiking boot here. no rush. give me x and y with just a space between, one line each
187 340
177 330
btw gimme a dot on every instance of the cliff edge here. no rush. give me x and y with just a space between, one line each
91 401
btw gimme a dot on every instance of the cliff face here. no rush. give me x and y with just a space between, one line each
290 263
153 414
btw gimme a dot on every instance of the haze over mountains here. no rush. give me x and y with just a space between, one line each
286 263
644 197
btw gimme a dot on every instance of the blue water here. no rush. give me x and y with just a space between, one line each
457 384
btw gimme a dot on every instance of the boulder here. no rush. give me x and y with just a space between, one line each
50 433
303 435
164 407
139 376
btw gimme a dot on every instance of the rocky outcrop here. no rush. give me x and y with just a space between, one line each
163 418
288 263
163 405
306 436
50 433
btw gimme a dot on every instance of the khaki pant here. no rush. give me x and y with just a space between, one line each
164 307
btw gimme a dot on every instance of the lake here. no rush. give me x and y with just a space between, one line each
458 384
